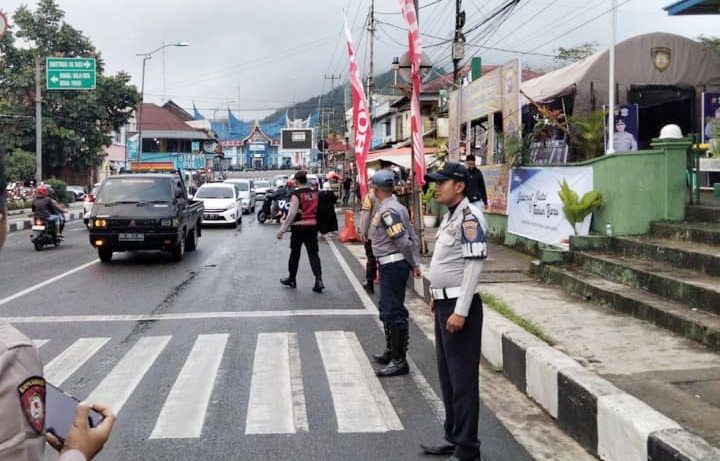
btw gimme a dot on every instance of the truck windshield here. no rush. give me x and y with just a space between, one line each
135 190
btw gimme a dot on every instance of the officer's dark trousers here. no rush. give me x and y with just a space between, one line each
393 279
371 265
309 236
458 358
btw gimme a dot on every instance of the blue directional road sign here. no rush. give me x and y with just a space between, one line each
70 73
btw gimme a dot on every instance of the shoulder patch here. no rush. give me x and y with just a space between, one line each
367 203
473 240
32 400
393 224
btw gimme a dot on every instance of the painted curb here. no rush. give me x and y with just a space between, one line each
27 223
610 423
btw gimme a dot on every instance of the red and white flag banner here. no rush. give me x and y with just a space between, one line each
361 118
410 15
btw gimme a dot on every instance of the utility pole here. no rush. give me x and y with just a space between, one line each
38 124
371 70
458 49
332 78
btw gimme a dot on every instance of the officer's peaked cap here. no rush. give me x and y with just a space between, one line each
450 170
383 178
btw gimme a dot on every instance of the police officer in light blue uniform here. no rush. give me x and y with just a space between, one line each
395 247
455 269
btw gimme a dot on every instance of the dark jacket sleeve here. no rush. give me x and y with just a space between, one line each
481 185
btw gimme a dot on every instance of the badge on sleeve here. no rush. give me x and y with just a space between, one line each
393 225
32 400
367 203
474 243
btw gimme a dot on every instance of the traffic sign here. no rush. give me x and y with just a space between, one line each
70 73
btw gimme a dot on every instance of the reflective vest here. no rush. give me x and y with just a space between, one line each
308 204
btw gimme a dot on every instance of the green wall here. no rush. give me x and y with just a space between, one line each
640 187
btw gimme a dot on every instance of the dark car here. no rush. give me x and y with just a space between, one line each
144 212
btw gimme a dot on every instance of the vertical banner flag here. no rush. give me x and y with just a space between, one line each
408 11
361 118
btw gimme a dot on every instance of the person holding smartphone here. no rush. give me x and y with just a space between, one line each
23 409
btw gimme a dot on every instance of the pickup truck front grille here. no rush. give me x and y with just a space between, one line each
130 223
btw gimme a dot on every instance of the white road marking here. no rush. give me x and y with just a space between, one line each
296 384
46 283
356 408
367 302
117 386
40 342
270 407
418 378
186 316
64 365
183 413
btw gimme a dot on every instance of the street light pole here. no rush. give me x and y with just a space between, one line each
147 56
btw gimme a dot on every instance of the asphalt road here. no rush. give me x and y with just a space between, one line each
210 358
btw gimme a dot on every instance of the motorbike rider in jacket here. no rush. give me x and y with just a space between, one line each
45 208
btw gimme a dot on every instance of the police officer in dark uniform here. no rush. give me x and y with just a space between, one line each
394 244
302 220
455 269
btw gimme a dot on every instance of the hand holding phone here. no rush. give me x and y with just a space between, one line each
61 410
83 438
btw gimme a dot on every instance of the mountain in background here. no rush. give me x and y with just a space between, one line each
340 98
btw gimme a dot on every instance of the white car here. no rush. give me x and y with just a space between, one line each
222 203
247 193
88 203
261 189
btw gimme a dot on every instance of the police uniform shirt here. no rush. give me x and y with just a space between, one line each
366 213
459 252
391 231
624 142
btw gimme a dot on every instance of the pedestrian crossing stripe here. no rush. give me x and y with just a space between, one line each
276 403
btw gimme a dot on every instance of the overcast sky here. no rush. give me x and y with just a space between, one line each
259 55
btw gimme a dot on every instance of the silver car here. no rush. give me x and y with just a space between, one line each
247 193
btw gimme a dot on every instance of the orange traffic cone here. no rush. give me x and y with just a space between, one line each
348 232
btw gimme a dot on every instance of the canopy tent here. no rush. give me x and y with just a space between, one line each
685 7
400 156
656 59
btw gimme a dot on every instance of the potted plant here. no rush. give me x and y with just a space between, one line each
576 209
429 218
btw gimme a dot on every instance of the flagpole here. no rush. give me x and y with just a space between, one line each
611 82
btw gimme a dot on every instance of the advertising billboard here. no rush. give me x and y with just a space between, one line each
296 139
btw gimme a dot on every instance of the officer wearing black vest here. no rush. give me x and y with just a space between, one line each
302 220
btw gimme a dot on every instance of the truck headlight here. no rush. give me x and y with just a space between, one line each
99 223
169 222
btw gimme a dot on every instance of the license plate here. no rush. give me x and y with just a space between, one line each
38 228
210 217
131 237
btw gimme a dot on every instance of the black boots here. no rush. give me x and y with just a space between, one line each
398 348
369 286
289 282
319 287
384 358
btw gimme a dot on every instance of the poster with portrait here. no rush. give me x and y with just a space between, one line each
497 185
627 128
710 116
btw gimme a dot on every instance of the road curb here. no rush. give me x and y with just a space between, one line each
27 223
608 422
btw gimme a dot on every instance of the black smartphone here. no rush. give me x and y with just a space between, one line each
60 410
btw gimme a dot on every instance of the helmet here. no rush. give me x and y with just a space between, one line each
383 178
41 190
290 183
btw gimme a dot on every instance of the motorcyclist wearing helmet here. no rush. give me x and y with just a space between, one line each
44 207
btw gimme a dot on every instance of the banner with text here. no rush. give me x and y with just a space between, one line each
535 208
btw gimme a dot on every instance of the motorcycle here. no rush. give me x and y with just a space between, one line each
275 208
43 233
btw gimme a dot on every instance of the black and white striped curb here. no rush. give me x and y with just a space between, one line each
27 223
610 423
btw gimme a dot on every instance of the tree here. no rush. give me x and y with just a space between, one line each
20 165
712 43
75 124
567 56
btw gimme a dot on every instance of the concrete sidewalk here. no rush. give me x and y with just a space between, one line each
623 388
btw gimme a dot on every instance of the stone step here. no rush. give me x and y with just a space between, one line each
698 232
691 288
701 213
694 324
682 254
